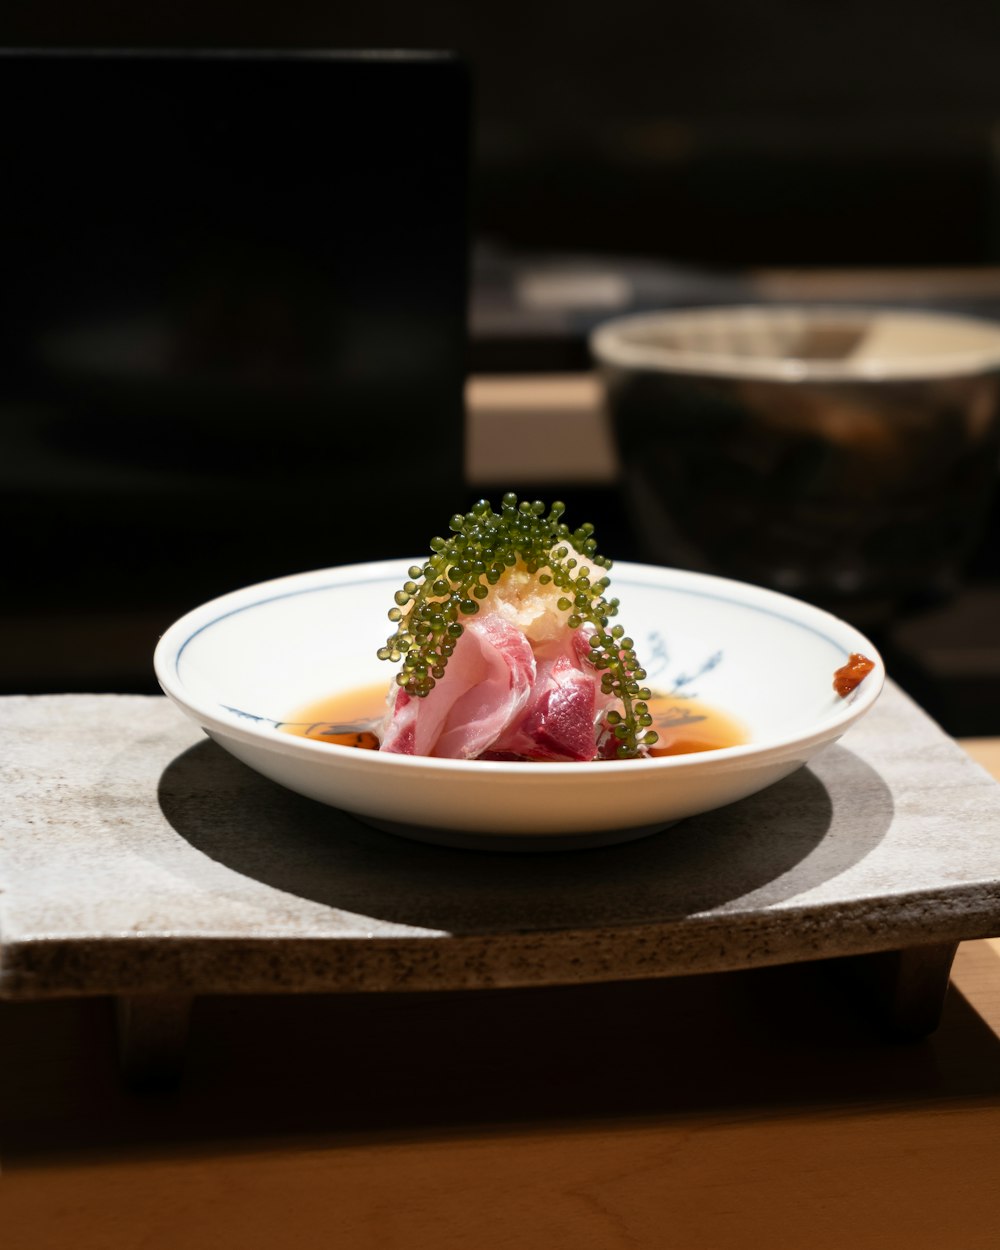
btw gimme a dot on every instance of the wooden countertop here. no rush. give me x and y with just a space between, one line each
985 751
727 1111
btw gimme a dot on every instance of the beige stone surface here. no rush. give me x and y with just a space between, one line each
137 857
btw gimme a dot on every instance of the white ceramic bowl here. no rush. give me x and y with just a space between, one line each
240 665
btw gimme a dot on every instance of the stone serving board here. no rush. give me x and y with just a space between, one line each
137 859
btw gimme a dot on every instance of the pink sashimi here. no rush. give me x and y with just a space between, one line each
489 682
501 699
559 720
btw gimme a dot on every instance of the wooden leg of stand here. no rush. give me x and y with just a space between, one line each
152 1036
906 988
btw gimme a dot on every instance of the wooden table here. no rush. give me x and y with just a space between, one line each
733 1110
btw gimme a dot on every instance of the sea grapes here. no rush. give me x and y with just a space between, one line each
457 577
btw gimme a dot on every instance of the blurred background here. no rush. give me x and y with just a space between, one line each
569 164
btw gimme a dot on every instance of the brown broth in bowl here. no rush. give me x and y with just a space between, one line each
685 726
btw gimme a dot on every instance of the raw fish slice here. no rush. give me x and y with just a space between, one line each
559 721
489 682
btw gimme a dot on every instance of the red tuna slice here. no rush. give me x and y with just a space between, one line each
559 720
487 685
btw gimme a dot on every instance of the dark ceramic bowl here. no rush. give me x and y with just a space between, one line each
846 456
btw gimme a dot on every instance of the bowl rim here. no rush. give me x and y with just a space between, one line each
609 345
254 730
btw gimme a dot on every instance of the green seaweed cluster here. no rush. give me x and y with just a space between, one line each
457 576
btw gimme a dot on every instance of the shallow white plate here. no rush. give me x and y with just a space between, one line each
240 666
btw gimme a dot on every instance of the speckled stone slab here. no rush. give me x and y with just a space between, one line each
137 858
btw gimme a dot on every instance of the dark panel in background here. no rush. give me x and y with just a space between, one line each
232 318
